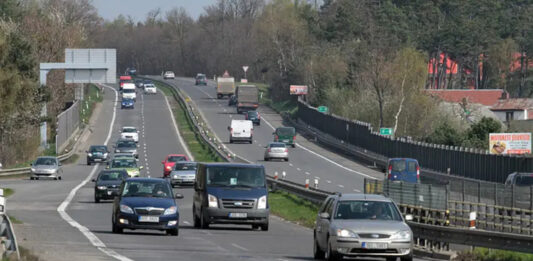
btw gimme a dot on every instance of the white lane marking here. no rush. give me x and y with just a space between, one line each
328 181
341 186
186 222
189 154
323 157
230 116
95 241
298 169
356 190
317 178
307 173
239 247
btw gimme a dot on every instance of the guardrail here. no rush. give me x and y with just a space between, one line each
8 240
431 228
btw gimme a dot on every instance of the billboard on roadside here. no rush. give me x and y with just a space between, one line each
510 143
298 90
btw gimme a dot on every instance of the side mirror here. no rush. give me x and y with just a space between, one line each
324 215
93 180
179 196
409 217
141 167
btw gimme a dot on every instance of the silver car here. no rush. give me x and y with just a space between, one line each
128 146
48 167
354 225
276 150
184 173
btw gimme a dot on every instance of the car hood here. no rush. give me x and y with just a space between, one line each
371 226
127 149
183 172
109 183
237 192
43 167
135 202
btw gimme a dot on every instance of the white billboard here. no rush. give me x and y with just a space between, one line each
510 143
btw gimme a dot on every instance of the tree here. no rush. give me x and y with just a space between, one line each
478 134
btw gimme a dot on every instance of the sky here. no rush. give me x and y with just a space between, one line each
137 9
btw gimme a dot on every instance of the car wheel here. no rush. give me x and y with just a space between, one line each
96 200
173 232
293 145
407 258
32 178
264 227
331 255
89 162
203 222
251 141
219 96
59 178
266 159
116 229
55 178
230 141
254 227
196 220
317 252
36 178
287 159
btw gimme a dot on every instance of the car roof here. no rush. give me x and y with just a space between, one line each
361 196
128 127
179 155
187 162
522 173
241 165
149 180
284 127
402 159
98 146
47 157
277 143
114 170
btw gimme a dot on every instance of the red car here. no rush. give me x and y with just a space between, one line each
169 162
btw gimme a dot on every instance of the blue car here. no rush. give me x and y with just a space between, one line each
403 169
146 203
128 103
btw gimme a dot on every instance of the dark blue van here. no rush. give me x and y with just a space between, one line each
403 169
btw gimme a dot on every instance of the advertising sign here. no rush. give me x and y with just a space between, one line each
510 143
298 90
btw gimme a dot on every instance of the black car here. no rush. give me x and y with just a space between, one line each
138 83
201 79
107 184
97 153
232 100
253 116
146 203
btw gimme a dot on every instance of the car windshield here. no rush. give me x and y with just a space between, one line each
252 114
147 82
128 91
176 158
373 210
200 77
98 149
169 73
398 165
235 177
149 85
277 145
185 166
524 180
285 131
127 100
126 144
123 163
112 175
157 189
46 161
129 130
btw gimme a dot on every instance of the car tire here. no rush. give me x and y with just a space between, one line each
264 227
96 200
331 255
255 227
196 220
251 141
287 159
203 222
59 178
88 162
32 178
317 252
293 145
266 159
116 229
173 232
407 258
219 96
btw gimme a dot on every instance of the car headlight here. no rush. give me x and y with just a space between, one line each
170 211
105 155
213 202
346 233
118 151
102 187
126 209
89 154
32 170
135 173
169 167
175 176
262 202
402 235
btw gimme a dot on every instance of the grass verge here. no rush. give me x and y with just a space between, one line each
293 208
25 255
14 220
200 150
91 97
8 192
485 254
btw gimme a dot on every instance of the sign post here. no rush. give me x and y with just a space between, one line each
245 68
385 131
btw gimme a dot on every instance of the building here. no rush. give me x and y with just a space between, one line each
487 97
513 109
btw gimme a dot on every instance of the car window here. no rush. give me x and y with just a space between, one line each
325 205
146 189
235 177
329 208
98 149
398 165
111 176
128 91
411 166
129 130
277 145
126 144
524 180
123 163
185 166
285 131
374 210
46 161
176 158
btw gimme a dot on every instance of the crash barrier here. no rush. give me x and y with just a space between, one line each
8 240
68 122
431 227
459 161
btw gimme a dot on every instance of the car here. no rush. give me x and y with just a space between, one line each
97 153
127 146
146 203
184 173
253 116
200 79
168 75
403 169
241 130
286 135
232 100
129 132
107 183
46 166
276 150
127 103
139 83
150 88
361 225
123 80
170 160
230 193
128 164
131 71
129 91
146 81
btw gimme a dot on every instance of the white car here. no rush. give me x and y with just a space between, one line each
129 132
168 75
241 130
129 91
149 88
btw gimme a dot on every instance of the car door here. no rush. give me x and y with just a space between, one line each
324 225
411 171
198 190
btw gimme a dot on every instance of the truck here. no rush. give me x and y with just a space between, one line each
247 98
225 87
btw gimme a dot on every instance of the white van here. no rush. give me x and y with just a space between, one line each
128 91
241 130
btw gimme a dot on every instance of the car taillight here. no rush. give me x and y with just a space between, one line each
231 130
269 150
390 171
169 168
255 105
293 137
240 104
286 150
258 116
276 138
417 172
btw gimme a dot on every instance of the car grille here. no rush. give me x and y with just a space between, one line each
237 203
150 211
373 251
373 235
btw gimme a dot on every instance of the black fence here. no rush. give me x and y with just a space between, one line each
463 162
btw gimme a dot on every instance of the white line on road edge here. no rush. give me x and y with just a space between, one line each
239 247
95 241
189 154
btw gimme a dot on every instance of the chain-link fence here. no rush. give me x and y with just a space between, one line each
68 122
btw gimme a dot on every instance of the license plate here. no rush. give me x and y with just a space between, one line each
109 193
149 219
97 159
373 245
238 215
285 140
